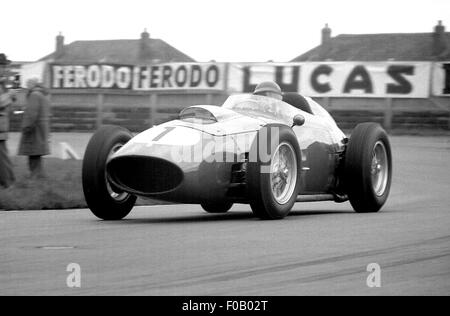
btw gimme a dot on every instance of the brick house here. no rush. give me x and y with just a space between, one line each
431 46
121 51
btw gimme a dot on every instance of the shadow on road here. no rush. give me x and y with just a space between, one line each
231 216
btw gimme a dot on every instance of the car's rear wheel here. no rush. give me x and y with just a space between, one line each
102 197
222 207
272 179
368 168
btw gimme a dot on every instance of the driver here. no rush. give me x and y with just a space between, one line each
269 89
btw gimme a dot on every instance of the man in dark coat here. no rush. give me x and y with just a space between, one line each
6 168
34 142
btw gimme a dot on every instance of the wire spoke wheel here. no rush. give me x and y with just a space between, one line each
272 183
368 168
283 173
379 169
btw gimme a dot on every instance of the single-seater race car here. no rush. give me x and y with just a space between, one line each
253 149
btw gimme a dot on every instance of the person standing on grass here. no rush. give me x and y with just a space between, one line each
34 142
6 168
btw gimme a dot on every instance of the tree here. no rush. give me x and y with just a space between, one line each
3 60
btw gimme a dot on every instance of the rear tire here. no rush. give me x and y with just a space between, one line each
368 168
217 208
273 185
105 201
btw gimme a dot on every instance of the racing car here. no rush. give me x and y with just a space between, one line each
253 150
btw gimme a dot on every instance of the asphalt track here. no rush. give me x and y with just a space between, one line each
321 248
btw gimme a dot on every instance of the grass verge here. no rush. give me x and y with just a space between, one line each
61 189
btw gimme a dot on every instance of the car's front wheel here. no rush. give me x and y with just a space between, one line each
368 168
273 180
104 200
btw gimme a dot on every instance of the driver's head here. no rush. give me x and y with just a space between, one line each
269 89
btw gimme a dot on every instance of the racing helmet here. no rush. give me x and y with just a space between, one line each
267 86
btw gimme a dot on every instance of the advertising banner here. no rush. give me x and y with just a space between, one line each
243 77
389 79
337 79
366 80
34 70
171 76
441 79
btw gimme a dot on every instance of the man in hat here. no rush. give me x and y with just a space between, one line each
6 168
34 142
269 89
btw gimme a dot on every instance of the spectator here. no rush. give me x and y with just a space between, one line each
34 142
6 170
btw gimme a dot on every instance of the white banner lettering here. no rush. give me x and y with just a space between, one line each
337 79
368 79
200 76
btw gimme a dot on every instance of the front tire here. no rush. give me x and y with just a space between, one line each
368 168
274 184
104 200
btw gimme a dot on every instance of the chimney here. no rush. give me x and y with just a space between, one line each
145 35
59 45
144 52
439 44
326 43
326 34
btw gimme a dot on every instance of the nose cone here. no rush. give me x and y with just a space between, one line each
144 175
149 164
177 163
155 161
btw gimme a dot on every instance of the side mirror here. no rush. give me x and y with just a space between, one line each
298 120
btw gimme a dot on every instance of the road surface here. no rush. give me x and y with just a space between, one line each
321 248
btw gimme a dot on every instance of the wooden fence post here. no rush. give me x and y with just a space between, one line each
99 118
327 102
153 103
388 115
209 99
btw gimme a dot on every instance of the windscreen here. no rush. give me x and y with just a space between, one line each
261 107
197 115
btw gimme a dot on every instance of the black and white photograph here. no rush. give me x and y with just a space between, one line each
224 155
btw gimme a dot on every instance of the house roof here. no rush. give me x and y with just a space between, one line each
119 51
378 47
